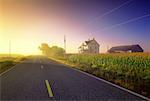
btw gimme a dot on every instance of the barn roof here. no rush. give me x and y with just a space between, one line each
135 48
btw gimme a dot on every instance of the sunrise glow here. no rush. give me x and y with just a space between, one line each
27 24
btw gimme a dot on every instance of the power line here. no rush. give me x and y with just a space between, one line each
112 10
123 23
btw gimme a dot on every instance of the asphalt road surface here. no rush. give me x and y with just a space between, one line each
39 78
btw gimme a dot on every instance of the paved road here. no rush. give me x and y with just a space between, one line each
27 81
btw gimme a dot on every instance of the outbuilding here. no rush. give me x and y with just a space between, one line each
126 48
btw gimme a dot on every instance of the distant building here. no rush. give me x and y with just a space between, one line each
127 48
89 47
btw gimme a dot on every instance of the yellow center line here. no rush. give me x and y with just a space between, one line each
49 89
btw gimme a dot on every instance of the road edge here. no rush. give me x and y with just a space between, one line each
117 86
103 80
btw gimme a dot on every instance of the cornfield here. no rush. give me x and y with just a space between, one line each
130 70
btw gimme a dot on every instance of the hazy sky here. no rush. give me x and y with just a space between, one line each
28 23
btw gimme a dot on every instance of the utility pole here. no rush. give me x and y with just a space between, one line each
9 48
65 43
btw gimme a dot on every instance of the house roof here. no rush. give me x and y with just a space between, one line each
89 41
126 48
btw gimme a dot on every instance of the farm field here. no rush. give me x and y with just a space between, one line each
130 70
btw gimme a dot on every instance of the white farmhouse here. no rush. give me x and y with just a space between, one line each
89 47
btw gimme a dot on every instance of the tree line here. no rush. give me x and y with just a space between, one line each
51 51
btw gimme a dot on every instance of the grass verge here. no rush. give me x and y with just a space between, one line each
7 62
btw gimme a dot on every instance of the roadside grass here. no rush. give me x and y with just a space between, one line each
129 70
8 62
4 65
